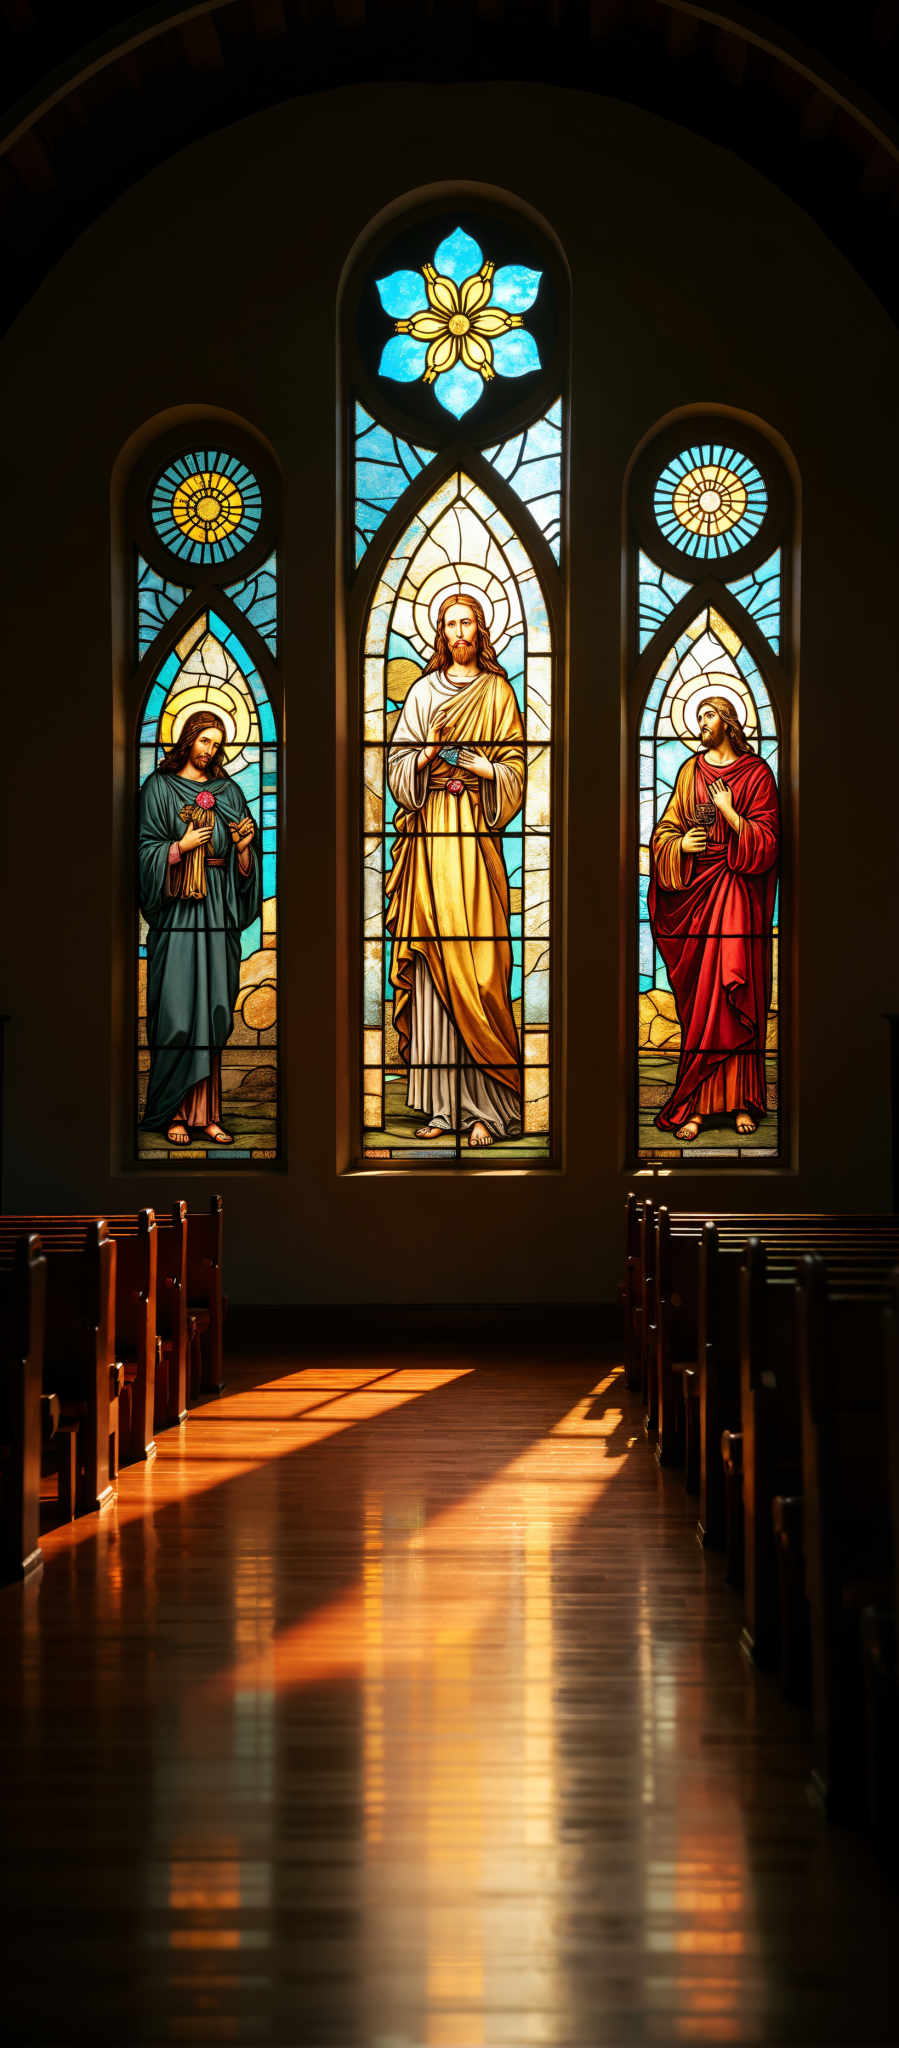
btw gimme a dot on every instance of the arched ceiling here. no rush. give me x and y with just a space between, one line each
96 95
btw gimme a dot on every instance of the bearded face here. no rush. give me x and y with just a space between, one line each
461 629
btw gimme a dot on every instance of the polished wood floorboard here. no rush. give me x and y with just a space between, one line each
395 1704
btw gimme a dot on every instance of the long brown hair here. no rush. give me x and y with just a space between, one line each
485 656
729 720
179 754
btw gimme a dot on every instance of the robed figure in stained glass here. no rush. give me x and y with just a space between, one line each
456 770
712 890
199 889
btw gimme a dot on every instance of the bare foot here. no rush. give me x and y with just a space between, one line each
690 1130
178 1133
217 1135
746 1124
431 1131
479 1135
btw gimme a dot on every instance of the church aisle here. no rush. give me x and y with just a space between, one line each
395 1704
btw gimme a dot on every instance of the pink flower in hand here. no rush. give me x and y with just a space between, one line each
205 800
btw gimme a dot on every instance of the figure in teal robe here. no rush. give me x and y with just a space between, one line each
193 946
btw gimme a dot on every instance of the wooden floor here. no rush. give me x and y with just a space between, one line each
396 1704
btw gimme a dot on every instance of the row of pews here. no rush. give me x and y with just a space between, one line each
109 1328
766 1352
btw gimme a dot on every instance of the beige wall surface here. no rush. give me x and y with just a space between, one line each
215 283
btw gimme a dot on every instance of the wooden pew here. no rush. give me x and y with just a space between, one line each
205 1298
80 1363
771 1434
846 1495
630 1291
173 1321
135 1314
22 1294
720 1258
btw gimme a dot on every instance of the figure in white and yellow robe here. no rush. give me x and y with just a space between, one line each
448 904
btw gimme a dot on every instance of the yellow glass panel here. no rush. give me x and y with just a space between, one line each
724 632
537 797
536 900
536 1098
373 806
372 1098
373 1047
538 697
536 1048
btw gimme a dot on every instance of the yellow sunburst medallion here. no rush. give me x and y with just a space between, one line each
709 500
207 506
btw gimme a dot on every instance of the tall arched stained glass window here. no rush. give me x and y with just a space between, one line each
457 415
208 713
710 681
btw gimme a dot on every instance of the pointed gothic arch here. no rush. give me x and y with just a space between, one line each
711 617
205 631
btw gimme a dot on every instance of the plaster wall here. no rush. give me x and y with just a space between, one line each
214 282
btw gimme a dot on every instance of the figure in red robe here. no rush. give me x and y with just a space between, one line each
711 905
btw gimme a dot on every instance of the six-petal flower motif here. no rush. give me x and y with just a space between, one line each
459 322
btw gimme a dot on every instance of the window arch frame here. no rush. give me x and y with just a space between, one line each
708 581
205 589
455 447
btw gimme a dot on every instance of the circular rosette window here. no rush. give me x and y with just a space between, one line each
206 507
709 501
458 321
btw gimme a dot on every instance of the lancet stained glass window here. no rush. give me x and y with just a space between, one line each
207 855
709 838
456 511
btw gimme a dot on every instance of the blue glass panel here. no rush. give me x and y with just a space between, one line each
516 969
403 359
515 288
647 818
759 594
402 293
257 597
269 874
157 602
646 949
670 757
458 390
458 256
532 464
657 594
385 466
515 354
645 982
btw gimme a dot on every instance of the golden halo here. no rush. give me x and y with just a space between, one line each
215 711
207 506
684 710
709 500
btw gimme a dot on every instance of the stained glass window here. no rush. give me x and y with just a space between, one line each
459 353
207 834
709 834
476 924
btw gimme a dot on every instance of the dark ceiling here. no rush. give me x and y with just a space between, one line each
94 95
